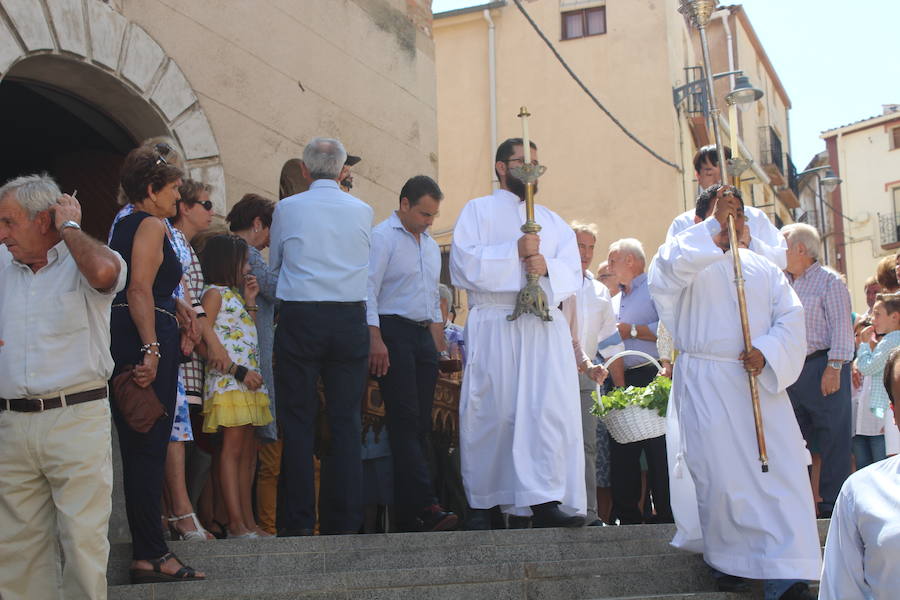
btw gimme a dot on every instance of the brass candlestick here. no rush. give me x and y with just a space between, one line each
531 298
699 12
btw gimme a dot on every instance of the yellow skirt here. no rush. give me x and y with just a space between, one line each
235 408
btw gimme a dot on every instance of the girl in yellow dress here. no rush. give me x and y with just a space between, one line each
236 399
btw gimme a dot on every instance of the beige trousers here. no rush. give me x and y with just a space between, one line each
55 490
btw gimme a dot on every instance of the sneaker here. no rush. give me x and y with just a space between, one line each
435 518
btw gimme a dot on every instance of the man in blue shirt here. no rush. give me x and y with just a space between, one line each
637 323
320 246
406 329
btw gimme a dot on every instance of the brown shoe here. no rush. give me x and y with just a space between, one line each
435 518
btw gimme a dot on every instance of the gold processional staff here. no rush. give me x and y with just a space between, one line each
699 12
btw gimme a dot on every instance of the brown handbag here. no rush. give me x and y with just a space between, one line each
139 406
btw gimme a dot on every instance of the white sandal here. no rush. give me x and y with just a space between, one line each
198 535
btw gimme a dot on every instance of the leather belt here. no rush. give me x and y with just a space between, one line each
42 404
817 354
422 324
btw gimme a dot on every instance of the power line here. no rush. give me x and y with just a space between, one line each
589 93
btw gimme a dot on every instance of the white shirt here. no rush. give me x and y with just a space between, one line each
862 553
54 325
403 274
765 239
596 319
320 244
5 256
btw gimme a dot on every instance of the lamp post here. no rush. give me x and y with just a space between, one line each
824 185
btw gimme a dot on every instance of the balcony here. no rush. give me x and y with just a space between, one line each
889 228
790 194
771 155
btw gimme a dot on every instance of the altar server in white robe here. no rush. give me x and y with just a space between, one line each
520 415
862 552
747 524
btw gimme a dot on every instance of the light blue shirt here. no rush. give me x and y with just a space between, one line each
403 274
637 307
320 245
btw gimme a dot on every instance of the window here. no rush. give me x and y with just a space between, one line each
895 138
582 23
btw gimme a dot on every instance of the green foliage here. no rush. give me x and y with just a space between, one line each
653 397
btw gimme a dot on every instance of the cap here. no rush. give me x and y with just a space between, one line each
352 160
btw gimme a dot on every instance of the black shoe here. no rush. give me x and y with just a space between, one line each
479 519
549 515
732 583
514 522
597 523
435 518
294 532
798 591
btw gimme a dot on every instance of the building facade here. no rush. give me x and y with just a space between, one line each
863 212
642 61
239 86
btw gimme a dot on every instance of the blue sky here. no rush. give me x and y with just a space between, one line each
838 61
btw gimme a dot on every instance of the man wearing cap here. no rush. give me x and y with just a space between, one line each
347 182
56 455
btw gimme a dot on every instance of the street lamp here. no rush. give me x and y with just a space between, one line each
743 94
824 185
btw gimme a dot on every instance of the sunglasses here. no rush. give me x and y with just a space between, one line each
162 151
207 204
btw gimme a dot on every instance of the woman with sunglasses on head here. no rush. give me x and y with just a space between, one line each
145 336
250 220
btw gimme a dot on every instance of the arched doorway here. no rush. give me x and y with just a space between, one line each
80 86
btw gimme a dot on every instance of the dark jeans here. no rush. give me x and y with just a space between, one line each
827 420
625 467
330 340
144 454
408 393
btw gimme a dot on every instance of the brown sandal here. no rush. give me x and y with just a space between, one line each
156 575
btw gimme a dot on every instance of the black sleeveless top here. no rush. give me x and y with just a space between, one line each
170 270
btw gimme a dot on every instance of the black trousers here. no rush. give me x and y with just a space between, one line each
330 340
625 467
408 393
144 454
825 422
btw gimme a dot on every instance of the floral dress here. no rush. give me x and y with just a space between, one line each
228 402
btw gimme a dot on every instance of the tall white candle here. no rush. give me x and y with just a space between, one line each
526 143
733 126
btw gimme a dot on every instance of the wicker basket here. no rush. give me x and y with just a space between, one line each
634 423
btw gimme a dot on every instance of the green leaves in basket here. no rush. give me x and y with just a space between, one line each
653 397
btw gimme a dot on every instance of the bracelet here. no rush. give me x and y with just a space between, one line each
253 308
240 373
231 368
201 314
152 353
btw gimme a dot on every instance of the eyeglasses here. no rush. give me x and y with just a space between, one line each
207 204
520 159
162 150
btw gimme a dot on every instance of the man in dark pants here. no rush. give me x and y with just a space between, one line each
637 323
821 395
320 245
406 332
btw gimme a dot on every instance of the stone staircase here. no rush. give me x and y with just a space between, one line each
625 563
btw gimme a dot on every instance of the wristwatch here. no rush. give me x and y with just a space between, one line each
633 330
67 224
836 364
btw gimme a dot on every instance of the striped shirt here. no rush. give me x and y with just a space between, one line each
826 303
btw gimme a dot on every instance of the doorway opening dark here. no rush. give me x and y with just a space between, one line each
48 130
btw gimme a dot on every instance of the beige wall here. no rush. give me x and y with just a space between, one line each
869 170
271 75
594 172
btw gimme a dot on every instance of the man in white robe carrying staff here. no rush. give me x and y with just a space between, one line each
520 416
747 523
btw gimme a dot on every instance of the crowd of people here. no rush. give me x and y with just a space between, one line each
217 365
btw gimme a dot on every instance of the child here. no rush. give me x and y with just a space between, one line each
870 360
236 399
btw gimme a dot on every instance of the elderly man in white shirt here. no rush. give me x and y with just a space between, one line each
320 246
55 459
596 322
406 331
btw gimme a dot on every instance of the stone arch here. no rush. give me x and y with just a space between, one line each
90 50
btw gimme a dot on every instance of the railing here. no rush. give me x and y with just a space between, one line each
770 148
889 227
695 96
793 181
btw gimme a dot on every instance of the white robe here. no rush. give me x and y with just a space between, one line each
745 522
520 413
765 239
862 553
